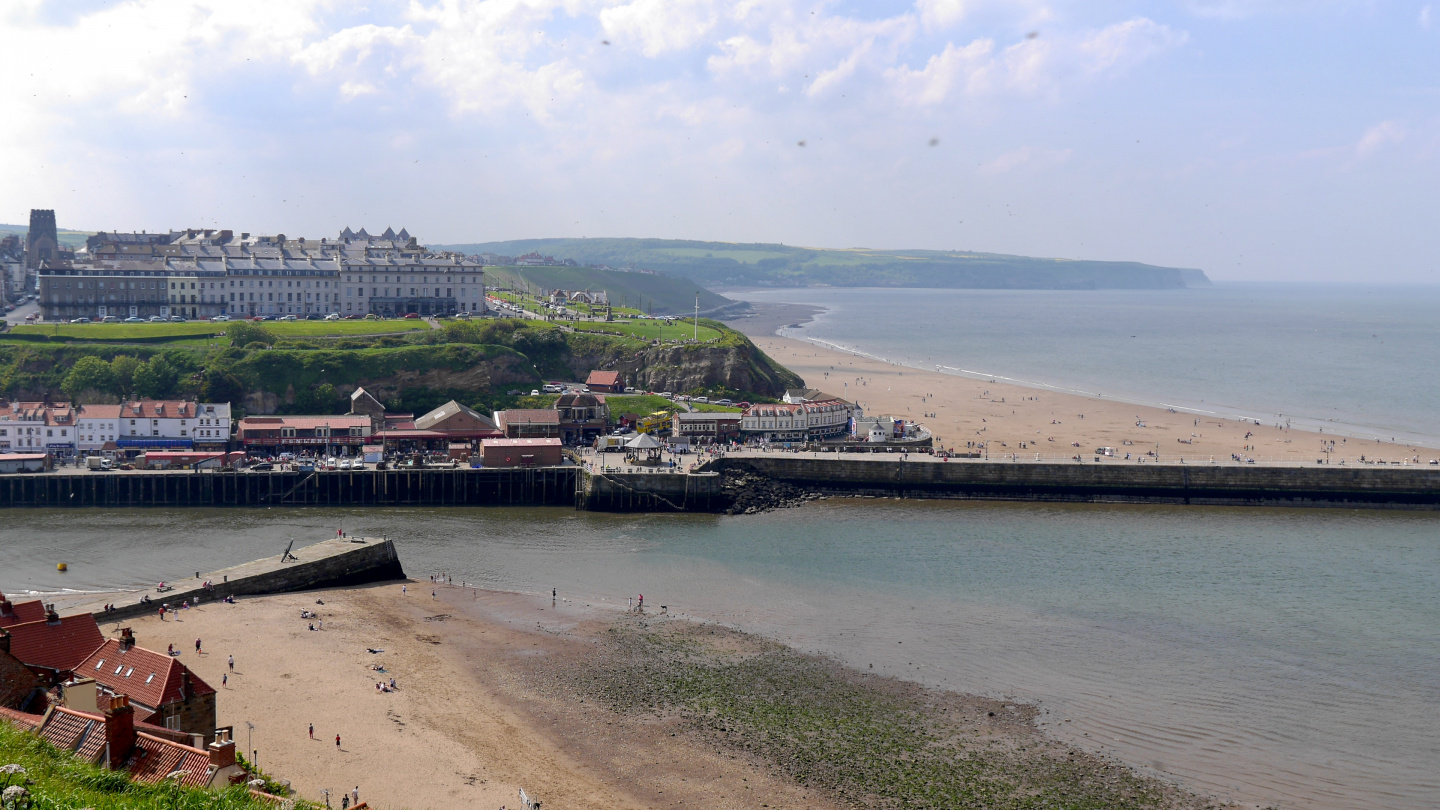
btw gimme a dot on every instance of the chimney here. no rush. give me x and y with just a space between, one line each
6 609
51 617
82 695
222 751
119 729
127 639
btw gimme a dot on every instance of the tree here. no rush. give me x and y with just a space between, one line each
221 386
124 367
155 379
244 333
88 374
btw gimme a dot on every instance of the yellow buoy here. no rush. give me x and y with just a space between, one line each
62 567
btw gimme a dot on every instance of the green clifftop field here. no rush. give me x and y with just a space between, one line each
718 265
262 369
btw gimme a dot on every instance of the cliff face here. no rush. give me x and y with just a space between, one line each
740 367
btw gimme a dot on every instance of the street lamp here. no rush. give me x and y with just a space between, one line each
250 743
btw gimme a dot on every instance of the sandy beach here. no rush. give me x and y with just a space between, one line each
1006 419
497 692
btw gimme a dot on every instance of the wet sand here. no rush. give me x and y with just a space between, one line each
1001 419
498 692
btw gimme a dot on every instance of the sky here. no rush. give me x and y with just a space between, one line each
1254 139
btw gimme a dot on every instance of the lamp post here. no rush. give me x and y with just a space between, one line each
250 743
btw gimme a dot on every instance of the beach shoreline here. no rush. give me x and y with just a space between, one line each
1004 418
498 692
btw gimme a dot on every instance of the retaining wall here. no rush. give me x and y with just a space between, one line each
648 492
1374 487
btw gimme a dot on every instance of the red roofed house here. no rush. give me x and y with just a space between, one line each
17 683
17 612
53 647
163 689
111 737
315 434
605 382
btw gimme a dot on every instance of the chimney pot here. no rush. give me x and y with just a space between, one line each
119 729
222 753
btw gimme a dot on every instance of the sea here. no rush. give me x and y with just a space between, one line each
1350 358
1274 657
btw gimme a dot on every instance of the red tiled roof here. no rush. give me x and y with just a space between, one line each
21 719
151 679
152 759
20 612
60 646
100 411
304 422
71 730
603 378
159 408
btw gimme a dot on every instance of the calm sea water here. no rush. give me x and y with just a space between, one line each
1354 359
1269 655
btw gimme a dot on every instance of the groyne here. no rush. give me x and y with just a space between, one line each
331 563
1331 486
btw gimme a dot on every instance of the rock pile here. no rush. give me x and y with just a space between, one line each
750 493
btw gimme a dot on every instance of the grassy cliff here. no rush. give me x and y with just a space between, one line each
719 265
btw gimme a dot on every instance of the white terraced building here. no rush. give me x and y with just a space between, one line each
201 274
805 415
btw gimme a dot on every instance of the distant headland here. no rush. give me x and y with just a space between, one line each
722 265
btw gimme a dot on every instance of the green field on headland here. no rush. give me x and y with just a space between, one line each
312 366
729 265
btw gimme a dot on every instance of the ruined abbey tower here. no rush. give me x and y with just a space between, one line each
41 244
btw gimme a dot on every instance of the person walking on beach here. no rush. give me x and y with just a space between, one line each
197 645
337 742
232 663
224 678
404 589
312 731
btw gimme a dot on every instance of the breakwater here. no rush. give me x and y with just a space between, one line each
331 563
705 490
1371 487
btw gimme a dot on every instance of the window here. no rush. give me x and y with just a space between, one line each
173 722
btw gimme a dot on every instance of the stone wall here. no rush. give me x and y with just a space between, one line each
1382 487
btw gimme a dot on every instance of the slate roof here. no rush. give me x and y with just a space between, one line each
530 416
151 679
448 410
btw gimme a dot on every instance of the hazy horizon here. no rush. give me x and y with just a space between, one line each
1258 140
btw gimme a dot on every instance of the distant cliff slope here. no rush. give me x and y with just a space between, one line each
718 265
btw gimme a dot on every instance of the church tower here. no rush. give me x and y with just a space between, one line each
41 243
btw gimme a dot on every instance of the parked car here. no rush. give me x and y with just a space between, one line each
373 317
286 318
412 315
534 392
353 317
157 319
334 316
220 318
263 466
133 319
314 316
177 319
110 319
80 320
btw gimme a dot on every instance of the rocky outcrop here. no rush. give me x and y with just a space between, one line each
748 492
741 367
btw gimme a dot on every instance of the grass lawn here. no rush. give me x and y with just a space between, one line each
122 331
642 404
649 330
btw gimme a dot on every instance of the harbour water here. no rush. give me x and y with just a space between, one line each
1273 656
1349 358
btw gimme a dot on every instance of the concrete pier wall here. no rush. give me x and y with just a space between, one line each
1371 487
648 492
329 564
546 486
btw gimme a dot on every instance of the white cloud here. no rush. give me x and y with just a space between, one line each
1378 137
1425 18
1036 65
941 13
661 26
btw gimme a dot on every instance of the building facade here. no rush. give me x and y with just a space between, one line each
172 425
305 434
197 274
818 417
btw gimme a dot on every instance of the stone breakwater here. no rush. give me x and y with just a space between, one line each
1351 487
330 563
